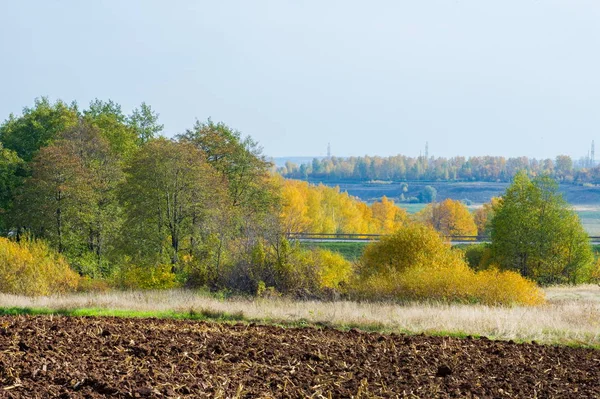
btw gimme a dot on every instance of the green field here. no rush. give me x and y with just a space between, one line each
411 208
590 218
349 250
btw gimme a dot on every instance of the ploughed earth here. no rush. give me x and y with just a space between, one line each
69 357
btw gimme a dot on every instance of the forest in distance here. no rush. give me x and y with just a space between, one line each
92 199
439 169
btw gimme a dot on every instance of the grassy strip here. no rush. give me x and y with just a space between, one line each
349 250
238 317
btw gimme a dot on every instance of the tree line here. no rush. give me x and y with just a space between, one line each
106 195
405 168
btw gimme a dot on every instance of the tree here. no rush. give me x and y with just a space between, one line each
55 199
104 174
11 175
450 218
108 117
535 233
37 127
428 194
484 215
239 161
145 123
169 192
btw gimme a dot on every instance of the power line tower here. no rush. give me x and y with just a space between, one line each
328 150
427 150
592 157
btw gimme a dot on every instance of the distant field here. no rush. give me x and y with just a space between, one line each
411 208
349 250
590 218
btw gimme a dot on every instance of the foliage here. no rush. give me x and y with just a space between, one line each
322 209
484 215
428 194
37 127
169 194
110 120
135 276
415 264
477 256
405 168
70 199
449 217
145 123
535 233
32 268
11 176
495 287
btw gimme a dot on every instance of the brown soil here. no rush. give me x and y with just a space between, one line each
136 358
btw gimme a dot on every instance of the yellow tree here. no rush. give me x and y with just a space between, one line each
387 217
484 215
450 217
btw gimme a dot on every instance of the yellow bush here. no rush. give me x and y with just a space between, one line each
332 268
494 287
32 268
415 264
133 276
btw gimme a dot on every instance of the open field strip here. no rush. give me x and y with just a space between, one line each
571 316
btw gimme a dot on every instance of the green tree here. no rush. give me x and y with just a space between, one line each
168 197
103 175
535 232
54 201
11 175
145 123
108 117
428 194
239 161
37 127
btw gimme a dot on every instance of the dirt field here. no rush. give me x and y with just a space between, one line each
100 357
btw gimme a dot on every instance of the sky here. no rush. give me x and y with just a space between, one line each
506 78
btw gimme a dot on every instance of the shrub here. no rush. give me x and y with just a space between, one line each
32 268
477 256
332 268
136 276
415 264
494 287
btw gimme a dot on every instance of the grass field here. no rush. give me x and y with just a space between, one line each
411 208
349 250
571 316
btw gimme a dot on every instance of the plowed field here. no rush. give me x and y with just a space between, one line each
131 358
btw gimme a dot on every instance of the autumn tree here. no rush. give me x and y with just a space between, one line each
484 215
55 199
387 217
535 233
450 218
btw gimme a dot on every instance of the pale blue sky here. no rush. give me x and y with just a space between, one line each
476 77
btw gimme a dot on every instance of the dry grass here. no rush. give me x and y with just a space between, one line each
572 314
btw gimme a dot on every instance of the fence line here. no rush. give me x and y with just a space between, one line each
376 237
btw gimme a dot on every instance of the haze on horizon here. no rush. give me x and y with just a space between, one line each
510 78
